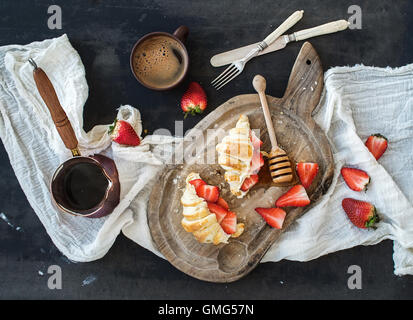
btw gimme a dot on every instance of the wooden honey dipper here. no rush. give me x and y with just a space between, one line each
279 163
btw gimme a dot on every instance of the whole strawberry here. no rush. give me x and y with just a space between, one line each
362 214
123 133
194 100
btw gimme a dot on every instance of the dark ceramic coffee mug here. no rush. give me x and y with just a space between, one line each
159 60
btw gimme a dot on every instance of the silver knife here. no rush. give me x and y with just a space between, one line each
236 54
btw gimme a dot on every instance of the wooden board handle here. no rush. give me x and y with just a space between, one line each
59 116
305 84
287 24
327 28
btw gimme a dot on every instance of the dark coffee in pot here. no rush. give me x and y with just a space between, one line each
80 185
85 186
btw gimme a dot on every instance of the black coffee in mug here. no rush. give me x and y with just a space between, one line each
158 61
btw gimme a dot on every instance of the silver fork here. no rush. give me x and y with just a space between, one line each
237 66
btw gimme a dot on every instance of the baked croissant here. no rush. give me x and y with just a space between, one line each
235 156
199 220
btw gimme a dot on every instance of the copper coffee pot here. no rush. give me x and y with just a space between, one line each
82 186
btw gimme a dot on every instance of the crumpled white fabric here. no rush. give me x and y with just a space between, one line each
35 148
358 101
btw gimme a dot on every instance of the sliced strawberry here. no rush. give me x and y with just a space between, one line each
377 144
249 182
295 197
307 171
256 142
256 163
197 182
229 223
221 202
219 211
123 133
209 193
273 216
356 179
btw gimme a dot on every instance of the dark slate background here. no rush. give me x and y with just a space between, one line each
104 32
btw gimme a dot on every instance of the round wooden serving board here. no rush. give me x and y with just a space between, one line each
297 134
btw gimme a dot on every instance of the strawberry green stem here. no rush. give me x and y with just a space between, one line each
112 127
193 111
373 220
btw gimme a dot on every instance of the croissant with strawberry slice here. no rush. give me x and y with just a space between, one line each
240 156
206 214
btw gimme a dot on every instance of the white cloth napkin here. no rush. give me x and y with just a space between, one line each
35 148
358 101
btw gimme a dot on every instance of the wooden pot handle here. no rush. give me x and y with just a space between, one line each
59 116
